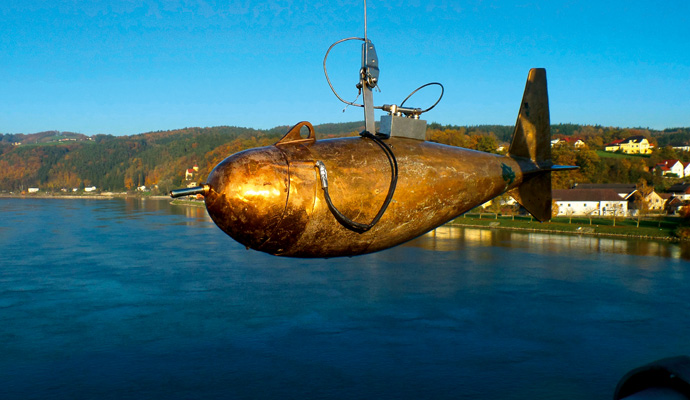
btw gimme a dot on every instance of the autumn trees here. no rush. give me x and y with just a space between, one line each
125 162
119 163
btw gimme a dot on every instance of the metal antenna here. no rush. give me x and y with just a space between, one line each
368 78
365 20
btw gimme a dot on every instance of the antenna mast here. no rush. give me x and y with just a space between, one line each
368 78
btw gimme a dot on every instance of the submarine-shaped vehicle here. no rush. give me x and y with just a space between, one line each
303 197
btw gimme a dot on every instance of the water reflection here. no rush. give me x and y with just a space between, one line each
115 299
453 238
196 213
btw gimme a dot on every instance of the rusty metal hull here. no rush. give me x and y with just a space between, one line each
270 198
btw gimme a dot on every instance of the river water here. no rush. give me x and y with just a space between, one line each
139 299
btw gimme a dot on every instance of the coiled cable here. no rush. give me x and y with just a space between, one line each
345 221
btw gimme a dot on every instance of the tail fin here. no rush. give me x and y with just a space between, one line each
532 136
532 141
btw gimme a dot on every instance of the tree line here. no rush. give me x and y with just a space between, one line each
123 163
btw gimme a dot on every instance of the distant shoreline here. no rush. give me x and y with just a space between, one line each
466 222
576 228
100 196
558 232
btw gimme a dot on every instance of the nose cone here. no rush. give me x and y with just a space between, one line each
248 194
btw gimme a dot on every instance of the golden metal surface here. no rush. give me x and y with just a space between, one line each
533 126
270 198
532 141
248 194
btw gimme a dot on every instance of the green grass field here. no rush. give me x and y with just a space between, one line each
659 228
608 154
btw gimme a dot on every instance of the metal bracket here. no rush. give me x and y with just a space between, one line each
294 136
368 80
395 125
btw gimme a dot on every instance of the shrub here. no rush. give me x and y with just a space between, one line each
683 232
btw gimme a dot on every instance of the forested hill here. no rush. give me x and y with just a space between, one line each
54 160
43 137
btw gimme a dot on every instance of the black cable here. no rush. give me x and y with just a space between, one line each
345 221
422 87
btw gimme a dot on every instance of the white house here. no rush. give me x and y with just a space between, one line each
655 203
673 167
189 172
589 202
575 142
33 190
90 189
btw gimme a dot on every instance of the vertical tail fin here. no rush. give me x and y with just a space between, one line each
532 136
532 141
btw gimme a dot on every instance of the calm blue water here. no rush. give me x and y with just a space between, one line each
112 299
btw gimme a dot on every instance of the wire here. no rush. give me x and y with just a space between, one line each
350 103
366 40
422 87
345 221
326 71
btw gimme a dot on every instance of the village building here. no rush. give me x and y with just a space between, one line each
655 202
575 142
628 192
681 191
632 145
636 145
614 146
586 202
672 203
189 172
673 168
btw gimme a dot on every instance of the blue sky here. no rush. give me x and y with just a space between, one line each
127 67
